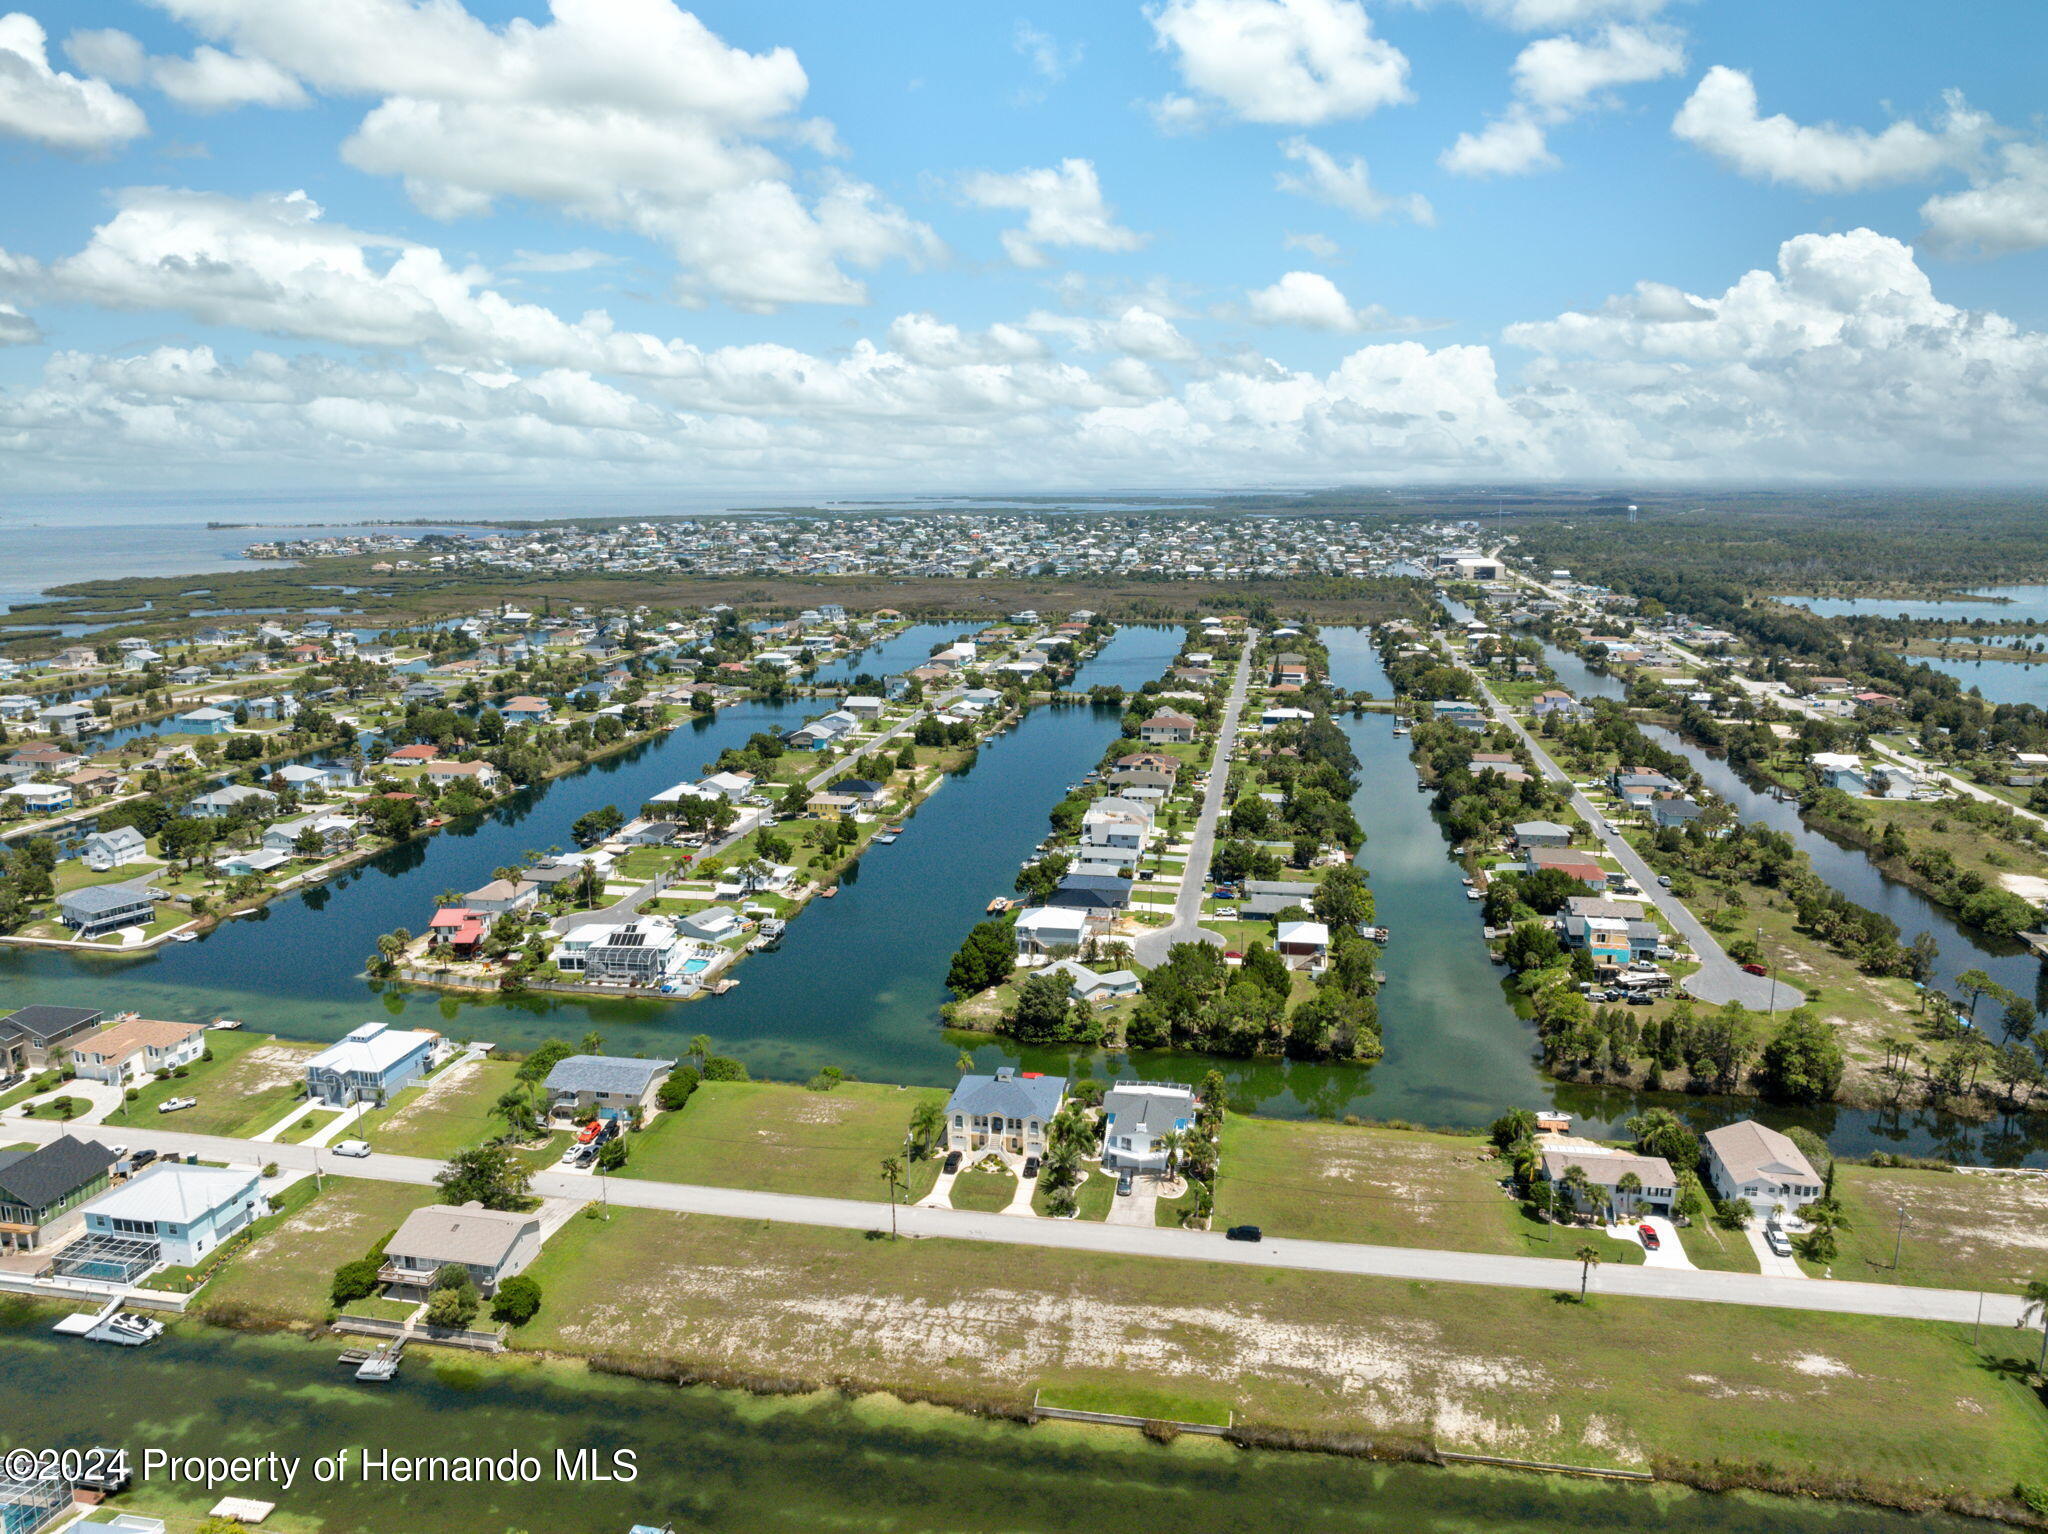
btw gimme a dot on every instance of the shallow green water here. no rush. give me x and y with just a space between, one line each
717 1460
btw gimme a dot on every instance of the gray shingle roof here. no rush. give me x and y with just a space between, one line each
469 1234
1152 1113
614 1075
1008 1094
41 1178
43 1023
96 899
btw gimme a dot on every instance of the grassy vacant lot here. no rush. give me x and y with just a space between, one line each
450 1111
784 1139
1804 1399
1384 1187
250 1084
283 1275
1962 1231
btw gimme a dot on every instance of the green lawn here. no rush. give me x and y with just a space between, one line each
443 1114
283 1276
1092 1199
1136 1401
249 1085
1798 1399
785 1139
1724 1251
1389 1187
1962 1231
986 1192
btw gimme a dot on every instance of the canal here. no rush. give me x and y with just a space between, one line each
720 1461
894 655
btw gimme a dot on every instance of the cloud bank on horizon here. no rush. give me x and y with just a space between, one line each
382 243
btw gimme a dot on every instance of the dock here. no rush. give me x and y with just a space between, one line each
375 1364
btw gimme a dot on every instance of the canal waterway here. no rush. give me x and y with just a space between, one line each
728 1463
1994 604
2000 681
893 656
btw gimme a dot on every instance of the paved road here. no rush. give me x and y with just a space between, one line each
1719 978
1151 947
1898 1301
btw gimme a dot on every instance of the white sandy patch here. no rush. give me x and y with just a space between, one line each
1820 1366
2028 886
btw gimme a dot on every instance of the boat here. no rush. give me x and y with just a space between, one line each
1475 894
184 937
886 838
1377 934
226 1024
378 1364
1400 730
129 1330
1000 903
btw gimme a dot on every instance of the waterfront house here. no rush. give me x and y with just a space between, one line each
1557 702
1305 944
1101 897
490 1244
335 833
32 1037
98 909
183 1211
1137 1117
1541 833
66 719
41 1190
89 783
605 1085
1168 728
481 775
1674 810
205 721
1605 1168
34 798
1582 866
1050 929
457 928
645 951
107 850
263 860
526 710
713 924
1096 990
370 1064
863 706
1750 1161
412 754
133 1049
1267 898
1837 769
502 895
236 798
1009 1112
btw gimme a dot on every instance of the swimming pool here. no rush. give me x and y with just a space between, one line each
695 966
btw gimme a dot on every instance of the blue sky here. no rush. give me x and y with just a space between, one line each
885 246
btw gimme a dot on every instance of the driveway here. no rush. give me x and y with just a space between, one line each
1768 1261
1670 1251
1139 1207
1719 978
103 1098
1150 948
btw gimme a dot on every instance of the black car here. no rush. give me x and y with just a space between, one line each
952 1161
1244 1233
142 1158
1030 1166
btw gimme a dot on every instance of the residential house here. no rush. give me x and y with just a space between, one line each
1674 810
1605 1169
412 754
236 798
863 706
502 895
98 909
1582 866
1168 728
264 860
89 783
1837 769
32 1037
491 1244
733 786
1050 929
643 952
1101 897
526 710
605 1085
1305 944
1265 899
39 798
713 924
133 1049
480 775
205 721
1746 1160
1009 1112
1541 833
184 1211
457 928
107 850
1138 1117
41 1190
1623 934
1091 988
370 1064
66 719
1558 702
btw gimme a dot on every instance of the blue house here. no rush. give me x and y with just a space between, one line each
370 1064
205 721
1137 1116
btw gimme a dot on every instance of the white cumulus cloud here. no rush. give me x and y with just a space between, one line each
2003 212
1310 299
1297 62
1721 117
51 107
1347 184
1062 205
1555 80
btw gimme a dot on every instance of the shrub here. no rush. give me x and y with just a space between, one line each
354 1280
676 1090
270 1169
725 1068
613 1154
517 1300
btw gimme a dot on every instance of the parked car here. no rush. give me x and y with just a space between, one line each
1664 880
952 1161
1030 1166
1776 1239
355 1148
173 1104
569 1156
118 1152
1754 969
1123 1184
1244 1233
1651 1240
142 1158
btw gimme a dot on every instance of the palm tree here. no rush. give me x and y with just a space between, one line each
892 1174
1579 1186
1588 1258
700 1046
1626 1187
2036 1309
926 1122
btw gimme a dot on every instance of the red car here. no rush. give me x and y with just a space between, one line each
1650 1238
1754 969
